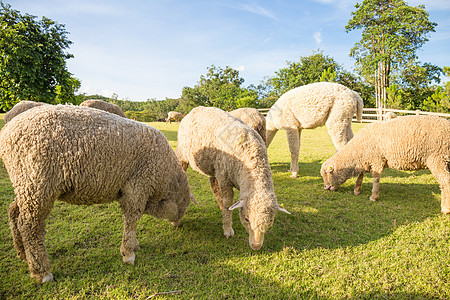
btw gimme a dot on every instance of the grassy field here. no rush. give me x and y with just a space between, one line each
334 245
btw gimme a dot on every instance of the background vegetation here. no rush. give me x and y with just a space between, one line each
33 57
335 245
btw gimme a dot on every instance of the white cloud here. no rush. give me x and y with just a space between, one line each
256 9
318 37
240 68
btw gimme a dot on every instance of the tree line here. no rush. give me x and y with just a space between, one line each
33 55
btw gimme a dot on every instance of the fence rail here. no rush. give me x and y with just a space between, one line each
376 114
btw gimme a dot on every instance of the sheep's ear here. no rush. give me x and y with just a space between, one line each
236 205
192 197
282 209
330 170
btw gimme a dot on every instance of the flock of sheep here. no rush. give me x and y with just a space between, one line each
92 154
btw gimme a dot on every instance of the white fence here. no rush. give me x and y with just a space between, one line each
376 114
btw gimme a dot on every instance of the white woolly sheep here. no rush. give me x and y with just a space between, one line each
311 106
406 143
20 107
105 106
85 156
231 154
174 116
253 118
389 115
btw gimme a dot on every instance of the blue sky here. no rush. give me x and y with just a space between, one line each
151 49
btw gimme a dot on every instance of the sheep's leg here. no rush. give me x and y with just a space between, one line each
358 184
31 225
441 171
349 132
216 191
270 134
293 136
184 165
132 211
376 186
227 198
13 213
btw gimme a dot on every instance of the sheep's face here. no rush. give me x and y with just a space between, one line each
257 216
332 177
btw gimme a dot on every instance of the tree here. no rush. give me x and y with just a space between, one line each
307 70
219 88
392 32
32 59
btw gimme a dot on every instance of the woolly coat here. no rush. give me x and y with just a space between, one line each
20 108
103 105
233 155
253 118
405 143
174 116
311 106
83 155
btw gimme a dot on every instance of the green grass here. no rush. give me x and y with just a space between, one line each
334 245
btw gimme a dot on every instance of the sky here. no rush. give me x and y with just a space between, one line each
151 49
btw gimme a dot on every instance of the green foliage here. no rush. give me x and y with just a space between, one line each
395 97
219 88
33 59
439 101
334 245
307 70
328 75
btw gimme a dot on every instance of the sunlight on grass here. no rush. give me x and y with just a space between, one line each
334 245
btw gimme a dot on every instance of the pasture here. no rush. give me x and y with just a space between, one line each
334 245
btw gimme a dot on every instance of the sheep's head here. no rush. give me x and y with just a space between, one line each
332 176
257 217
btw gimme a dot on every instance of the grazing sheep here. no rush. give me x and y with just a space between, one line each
406 143
85 156
174 116
390 115
253 118
311 106
103 105
20 107
231 154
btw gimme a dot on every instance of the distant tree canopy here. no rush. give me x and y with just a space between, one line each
33 60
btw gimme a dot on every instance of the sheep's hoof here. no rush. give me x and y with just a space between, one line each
357 192
47 278
294 175
228 233
445 211
373 198
176 223
129 259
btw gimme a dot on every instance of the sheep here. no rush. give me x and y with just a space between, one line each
253 118
389 115
231 154
406 143
311 106
86 156
174 116
105 106
20 107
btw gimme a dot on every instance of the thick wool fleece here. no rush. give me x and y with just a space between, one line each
103 105
233 155
311 106
83 155
404 143
174 116
20 107
253 118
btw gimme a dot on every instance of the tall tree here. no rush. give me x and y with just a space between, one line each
392 31
32 59
220 88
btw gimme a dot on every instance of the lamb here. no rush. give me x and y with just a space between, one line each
253 118
231 154
86 156
103 105
174 116
390 115
311 106
406 143
20 107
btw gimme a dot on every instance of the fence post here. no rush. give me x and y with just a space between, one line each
418 112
